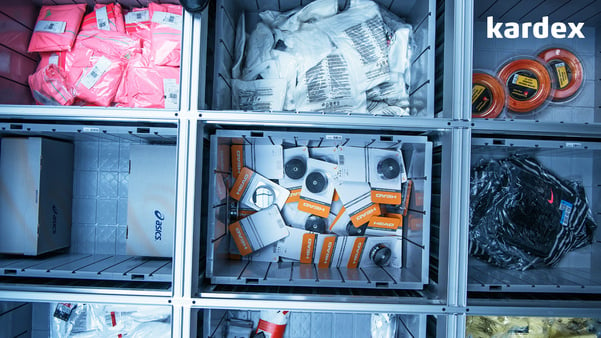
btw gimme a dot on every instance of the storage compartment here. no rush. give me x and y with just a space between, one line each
421 15
578 269
146 79
425 228
100 199
502 326
60 320
218 323
495 43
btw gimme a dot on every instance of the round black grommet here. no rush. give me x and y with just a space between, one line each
380 254
295 168
389 168
316 224
316 182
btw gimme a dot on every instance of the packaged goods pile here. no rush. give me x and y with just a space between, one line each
316 58
326 205
110 56
505 326
523 216
100 320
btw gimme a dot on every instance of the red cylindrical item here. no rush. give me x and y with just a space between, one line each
528 83
488 96
567 70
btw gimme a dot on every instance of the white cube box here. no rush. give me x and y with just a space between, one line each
36 190
151 200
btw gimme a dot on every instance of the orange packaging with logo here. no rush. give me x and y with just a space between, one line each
258 230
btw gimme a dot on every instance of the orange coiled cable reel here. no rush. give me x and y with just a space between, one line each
528 84
488 96
566 70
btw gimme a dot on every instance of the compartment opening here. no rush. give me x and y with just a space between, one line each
95 244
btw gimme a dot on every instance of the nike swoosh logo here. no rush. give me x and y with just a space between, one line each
551 199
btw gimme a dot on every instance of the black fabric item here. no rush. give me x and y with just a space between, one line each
523 216
194 6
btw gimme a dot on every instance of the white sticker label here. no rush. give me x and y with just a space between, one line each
91 130
102 19
333 137
171 90
53 59
90 79
57 27
135 17
168 19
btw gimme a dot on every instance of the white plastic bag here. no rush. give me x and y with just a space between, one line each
239 47
383 325
330 86
292 20
259 95
258 51
360 30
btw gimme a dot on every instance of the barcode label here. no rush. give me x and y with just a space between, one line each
135 17
171 90
57 27
168 19
91 130
102 19
333 137
90 79
53 59
110 319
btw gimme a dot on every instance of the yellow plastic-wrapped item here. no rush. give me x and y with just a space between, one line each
530 327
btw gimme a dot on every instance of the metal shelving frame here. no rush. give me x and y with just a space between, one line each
187 296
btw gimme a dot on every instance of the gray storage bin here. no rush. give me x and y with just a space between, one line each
18 20
489 54
414 274
420 14
578 271
322 324
97 250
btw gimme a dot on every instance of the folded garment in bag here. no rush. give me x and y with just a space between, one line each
49 86
522 215
166 29
105 17
56 28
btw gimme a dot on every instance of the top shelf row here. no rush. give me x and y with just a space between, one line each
388 62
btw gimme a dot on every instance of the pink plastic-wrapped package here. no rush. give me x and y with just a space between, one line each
149 87
49 87
56 28
105 17
166 29
96 64
53 58
137 24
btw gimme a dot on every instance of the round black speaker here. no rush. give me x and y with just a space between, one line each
352 231
316 224
316 182
295 168
380 254
389 168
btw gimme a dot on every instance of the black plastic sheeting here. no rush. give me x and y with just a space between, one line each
523 216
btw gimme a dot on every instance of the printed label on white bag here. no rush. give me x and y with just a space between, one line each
171 90
102 19
90 79
168 19
57 27
135 17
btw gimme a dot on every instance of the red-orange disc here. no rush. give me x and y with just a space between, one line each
488 96
567 72
528 84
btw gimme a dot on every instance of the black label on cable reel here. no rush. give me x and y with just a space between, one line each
315 224
522 85
353 231
482 98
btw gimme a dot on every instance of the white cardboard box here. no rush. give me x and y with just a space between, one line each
151 200
36 192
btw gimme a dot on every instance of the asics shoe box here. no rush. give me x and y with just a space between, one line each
36 191
151 200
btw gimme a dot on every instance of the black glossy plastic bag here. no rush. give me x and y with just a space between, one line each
523 216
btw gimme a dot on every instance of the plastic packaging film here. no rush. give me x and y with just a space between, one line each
532 327
503 229
344 61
